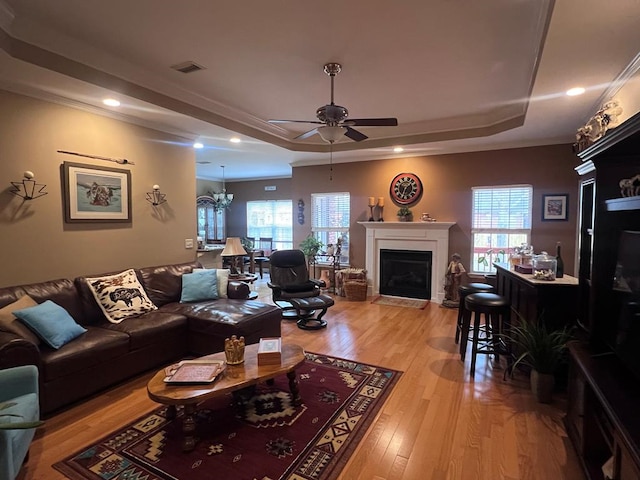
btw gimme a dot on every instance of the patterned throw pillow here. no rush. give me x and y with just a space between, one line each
120 296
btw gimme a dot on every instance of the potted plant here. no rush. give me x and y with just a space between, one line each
310 246
540 349
404 214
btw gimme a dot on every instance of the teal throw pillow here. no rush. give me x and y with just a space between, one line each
198 286
51 323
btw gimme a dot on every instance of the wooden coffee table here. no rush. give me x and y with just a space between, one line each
233 378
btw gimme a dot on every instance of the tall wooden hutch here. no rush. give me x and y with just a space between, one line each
603 418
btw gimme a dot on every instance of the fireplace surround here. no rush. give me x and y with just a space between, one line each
408 236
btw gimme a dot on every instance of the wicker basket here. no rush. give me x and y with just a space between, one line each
356 290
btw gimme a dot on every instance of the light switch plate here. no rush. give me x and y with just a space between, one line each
188 243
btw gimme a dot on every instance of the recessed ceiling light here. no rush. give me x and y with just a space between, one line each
198 145
572 92
111 102
398 149
235 140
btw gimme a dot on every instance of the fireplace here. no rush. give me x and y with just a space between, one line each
405 273
422 237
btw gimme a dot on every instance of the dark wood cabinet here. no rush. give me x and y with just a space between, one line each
602 418
604 380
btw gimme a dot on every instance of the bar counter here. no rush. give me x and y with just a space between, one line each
554 301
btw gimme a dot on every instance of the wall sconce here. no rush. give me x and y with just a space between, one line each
28 189
156 197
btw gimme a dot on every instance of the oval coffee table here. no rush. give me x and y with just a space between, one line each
234 377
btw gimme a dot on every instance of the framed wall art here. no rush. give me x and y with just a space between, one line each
555 207
96 194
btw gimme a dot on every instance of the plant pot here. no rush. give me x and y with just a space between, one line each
542 386
405 218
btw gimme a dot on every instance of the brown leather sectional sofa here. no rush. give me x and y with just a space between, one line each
110 353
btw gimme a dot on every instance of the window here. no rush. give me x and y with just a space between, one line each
501 220
271 219
330 219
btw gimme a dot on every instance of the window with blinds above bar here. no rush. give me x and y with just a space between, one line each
501 220
330 219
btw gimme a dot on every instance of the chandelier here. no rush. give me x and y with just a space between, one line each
223 199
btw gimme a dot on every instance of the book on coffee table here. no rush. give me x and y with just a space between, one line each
194 371
270 351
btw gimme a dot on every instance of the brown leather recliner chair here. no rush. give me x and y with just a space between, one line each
294 292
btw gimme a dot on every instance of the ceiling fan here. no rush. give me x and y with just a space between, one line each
334 118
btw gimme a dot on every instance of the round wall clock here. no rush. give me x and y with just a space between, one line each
405 188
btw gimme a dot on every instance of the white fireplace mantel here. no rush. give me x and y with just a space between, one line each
420 236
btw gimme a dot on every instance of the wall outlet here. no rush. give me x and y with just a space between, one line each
188 243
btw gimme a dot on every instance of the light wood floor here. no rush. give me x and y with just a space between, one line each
437 424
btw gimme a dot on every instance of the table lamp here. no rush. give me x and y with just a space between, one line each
233 248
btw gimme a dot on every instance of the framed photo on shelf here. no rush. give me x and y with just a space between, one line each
96 194
555 207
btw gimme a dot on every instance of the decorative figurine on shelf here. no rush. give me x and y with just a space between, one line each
234 350
452 281
338 247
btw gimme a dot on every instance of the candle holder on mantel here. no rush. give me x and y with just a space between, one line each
381 207
372 204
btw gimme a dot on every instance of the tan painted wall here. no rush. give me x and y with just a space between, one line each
447 181
35 242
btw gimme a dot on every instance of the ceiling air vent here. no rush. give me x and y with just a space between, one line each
188 67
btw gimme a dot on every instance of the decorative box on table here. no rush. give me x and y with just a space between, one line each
270 351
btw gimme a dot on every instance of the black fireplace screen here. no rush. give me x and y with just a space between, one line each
405 273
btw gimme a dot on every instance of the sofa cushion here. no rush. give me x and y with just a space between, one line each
163 283
96 347
10 323
199 285
152 327
51 323
120 296
211 322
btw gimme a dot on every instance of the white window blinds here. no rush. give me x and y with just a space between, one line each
501 220
502 207
330 219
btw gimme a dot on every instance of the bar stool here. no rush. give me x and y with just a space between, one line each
496 311
463 291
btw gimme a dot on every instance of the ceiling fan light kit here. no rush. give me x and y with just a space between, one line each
334 118
331 134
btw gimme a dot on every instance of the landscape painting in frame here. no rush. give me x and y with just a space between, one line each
96 194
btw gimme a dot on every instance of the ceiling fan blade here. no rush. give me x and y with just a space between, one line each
295 121
307 134
355 134
372 122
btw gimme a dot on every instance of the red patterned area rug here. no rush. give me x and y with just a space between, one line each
256 434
